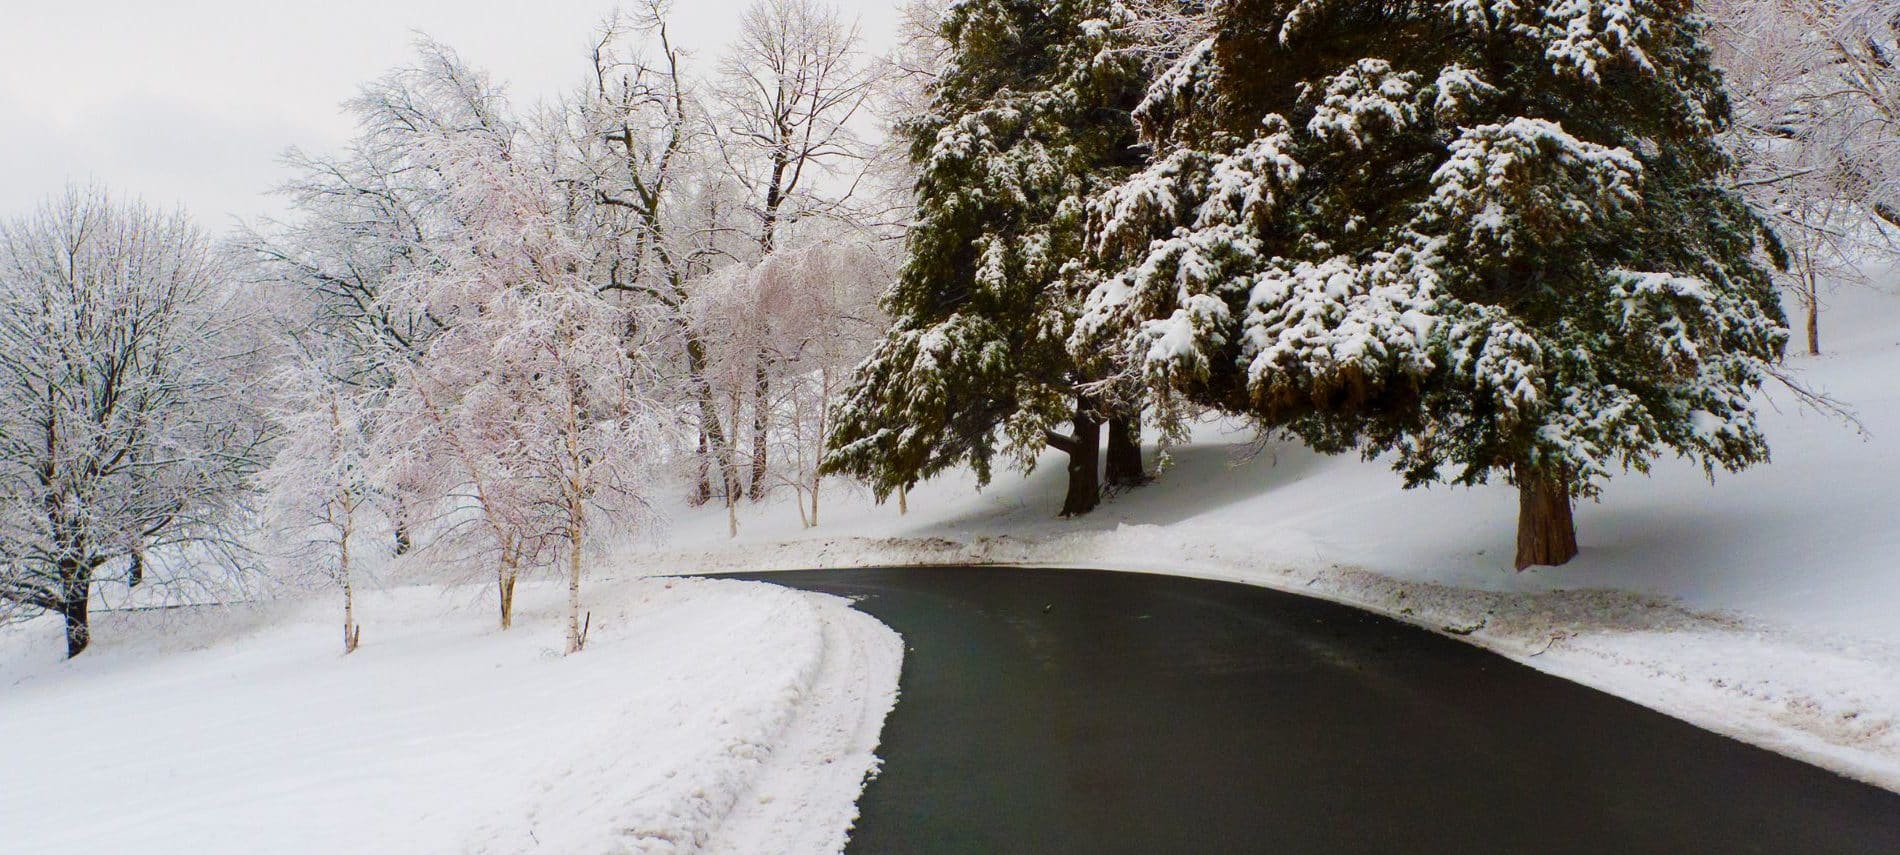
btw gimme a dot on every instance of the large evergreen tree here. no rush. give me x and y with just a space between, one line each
1030 119
1488 237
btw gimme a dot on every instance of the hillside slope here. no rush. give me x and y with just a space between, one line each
1765 605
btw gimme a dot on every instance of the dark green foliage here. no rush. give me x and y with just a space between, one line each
1483 235
1030 121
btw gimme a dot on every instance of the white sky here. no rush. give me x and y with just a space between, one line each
191 102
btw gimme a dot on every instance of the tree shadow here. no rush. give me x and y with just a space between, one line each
1198 480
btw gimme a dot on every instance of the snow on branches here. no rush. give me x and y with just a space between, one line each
1029 119
1816 95
1578 37
127 421
1365 99
535 385
1481 254
1512 189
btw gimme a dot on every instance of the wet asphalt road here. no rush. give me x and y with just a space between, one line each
1066 711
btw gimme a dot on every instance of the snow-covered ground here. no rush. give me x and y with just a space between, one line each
1765 606
741 717
702 715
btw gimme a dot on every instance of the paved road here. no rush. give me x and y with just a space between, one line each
1059 711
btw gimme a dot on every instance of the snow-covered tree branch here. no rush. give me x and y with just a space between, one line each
126 426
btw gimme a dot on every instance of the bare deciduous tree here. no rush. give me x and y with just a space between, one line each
813 309
324 473
793 88
126 427
633 140
1816 97
532 381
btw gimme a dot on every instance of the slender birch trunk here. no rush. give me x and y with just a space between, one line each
575 641
352 633
818 462
576 488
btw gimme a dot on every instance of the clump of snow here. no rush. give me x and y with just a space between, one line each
1364 100
696 706
1766 606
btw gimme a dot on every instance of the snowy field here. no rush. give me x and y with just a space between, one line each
741 717
1765 606
702 715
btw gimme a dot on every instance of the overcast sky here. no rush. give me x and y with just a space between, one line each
191 102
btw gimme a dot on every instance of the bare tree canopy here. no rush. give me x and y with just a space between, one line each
125 426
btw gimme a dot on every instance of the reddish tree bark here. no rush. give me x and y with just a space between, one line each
1546 531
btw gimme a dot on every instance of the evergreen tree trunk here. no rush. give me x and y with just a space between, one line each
1546 532
903 501
1085 451
1123 464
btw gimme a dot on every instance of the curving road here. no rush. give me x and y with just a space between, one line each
1058 711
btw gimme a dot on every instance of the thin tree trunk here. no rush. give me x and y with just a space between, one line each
575 486
735 490
350 632
818 458
761 425
574 533
1084 448
702 490
1123 465
505 581
709 412
903 501
1814 322
1546 531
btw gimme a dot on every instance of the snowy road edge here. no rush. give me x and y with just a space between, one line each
1574 635
804 799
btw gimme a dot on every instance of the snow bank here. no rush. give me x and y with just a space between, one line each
1766 606
694 704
